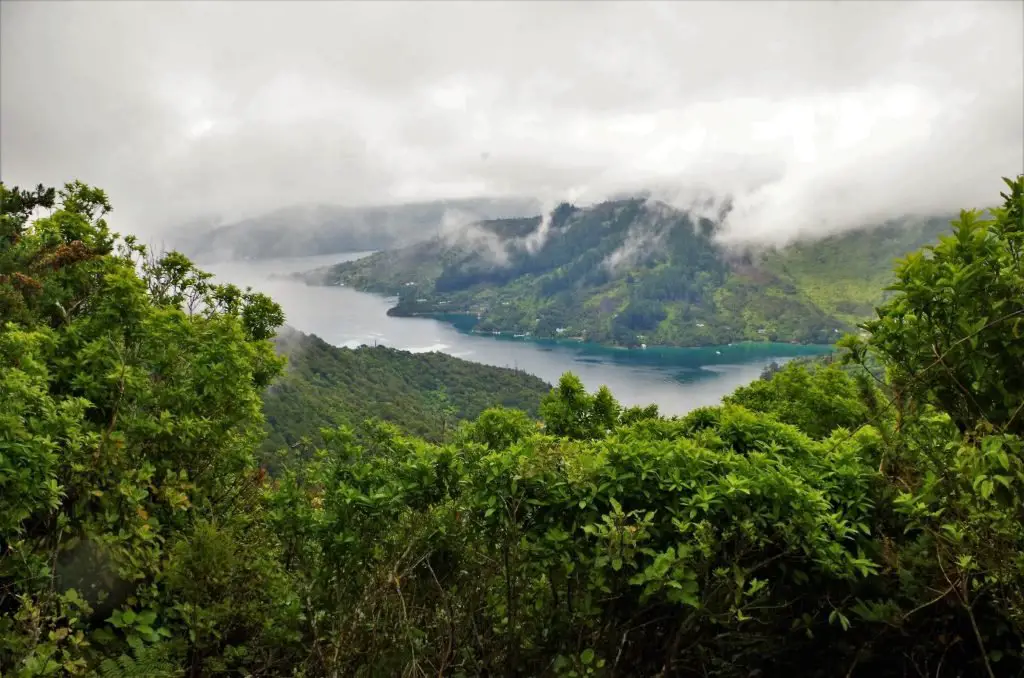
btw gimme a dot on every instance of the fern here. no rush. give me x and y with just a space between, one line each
148 662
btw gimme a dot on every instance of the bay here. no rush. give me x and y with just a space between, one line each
676 379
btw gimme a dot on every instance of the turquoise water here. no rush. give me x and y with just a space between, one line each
676 379
685 364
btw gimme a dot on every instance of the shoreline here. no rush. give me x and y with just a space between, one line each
466 328
463 323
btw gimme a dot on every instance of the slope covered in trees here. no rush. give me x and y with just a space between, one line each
424 394
631 271
821 522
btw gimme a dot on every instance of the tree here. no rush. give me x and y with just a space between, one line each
130 401
951 343
954 334
499 428
568 410
443 408
817 400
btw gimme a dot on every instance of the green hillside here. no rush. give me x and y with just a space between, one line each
631 271
424 394
846 275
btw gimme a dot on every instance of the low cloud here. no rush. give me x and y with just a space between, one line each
807 118
644 236
535 241
461 229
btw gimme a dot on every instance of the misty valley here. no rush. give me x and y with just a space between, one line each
676 379
512 340
637 273
632 293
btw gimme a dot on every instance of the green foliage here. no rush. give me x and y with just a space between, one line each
551 548
817 400
950 344
846 274
571 412
856 519
498 428
130 409
149 662
955 332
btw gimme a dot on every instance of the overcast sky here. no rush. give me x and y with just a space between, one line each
816 115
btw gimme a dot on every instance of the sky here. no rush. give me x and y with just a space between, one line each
813 116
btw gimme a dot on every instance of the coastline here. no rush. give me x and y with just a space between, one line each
464 322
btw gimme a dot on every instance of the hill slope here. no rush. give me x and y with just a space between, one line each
325 386
326 229
633 271
846 274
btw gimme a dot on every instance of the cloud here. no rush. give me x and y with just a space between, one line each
810 117
460 229
534 241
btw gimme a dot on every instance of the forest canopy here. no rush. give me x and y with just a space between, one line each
424 394
858 520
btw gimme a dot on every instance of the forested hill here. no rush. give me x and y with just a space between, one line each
424 394
326 229
632 271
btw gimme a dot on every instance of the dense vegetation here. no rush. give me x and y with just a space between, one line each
424 394
845 275
631 271
819 523
326 229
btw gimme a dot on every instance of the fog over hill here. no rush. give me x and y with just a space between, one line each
812 117
326 229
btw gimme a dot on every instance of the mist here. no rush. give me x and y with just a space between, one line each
459 228
643 238
806 118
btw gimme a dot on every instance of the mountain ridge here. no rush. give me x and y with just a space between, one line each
633 271
325 386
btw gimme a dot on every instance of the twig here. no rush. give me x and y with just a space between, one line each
930 602
1014 415
618 655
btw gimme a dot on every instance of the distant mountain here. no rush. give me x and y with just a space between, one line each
325 386
630 272
325 229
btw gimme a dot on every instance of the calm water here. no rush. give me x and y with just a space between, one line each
677 379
